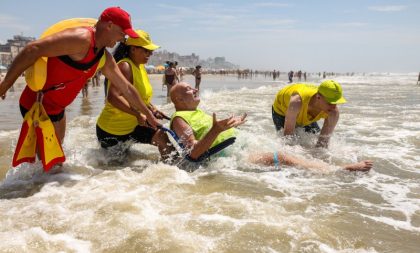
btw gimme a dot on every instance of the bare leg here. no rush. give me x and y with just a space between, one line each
268 159
160 139
168 86
60 128
85 90
283 159
197 83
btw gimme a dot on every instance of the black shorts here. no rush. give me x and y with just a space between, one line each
140 134
53 117
279 120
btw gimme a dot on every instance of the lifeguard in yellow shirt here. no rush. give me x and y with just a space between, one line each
119 122
302 105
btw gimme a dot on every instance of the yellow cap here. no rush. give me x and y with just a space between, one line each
142 41
332 92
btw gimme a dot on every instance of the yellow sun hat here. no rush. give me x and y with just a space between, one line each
142 41
332 92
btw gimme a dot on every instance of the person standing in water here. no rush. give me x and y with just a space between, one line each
290 76
170 77
74 56
418 79
197 74
118 122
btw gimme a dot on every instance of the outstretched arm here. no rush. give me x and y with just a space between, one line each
291 114
328 128
74 42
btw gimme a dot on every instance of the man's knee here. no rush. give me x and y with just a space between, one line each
160 138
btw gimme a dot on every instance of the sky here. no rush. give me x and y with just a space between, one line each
311 35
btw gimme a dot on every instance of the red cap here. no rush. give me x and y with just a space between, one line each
119 17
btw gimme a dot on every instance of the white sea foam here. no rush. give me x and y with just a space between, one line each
35 238
140 204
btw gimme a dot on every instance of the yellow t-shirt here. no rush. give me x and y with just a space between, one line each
117 122
305 91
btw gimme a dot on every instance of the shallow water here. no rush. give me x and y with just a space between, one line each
230 205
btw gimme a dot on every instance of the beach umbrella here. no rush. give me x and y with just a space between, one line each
2 67
160 67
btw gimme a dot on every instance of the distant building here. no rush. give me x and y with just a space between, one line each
218 63
5 58
190 61
11 49
219 60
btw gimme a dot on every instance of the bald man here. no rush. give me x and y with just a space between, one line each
199 132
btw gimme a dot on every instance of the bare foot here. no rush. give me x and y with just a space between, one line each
360 166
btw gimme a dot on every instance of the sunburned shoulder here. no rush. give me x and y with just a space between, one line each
77 37
82 34
74 42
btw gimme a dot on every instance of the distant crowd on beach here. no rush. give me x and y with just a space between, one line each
172 69
291 75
